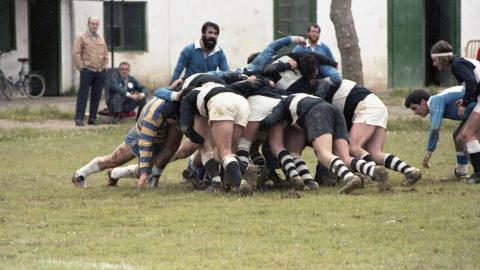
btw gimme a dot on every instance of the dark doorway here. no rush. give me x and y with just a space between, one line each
413 27
442 22
44 38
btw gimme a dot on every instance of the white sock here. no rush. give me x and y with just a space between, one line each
124 172
217 179
473 146
191 164
243 144
89 168
462 169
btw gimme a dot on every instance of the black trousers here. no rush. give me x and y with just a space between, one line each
118 103
89 80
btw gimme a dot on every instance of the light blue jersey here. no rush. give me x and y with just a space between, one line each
442 106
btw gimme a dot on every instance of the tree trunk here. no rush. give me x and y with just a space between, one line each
347 40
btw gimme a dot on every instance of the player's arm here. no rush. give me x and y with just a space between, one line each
278 114
436 107
188 111
166 93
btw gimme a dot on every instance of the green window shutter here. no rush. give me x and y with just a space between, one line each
7 25
134 26
128 26
405 43
292 17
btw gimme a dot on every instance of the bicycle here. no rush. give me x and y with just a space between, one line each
29 84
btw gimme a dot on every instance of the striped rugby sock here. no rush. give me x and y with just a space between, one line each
337 167
363 167
394 163
287 163
302 168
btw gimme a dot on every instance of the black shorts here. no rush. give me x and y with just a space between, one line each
325 118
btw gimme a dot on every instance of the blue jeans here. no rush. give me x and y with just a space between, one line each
94 80
118 103
165 93
259 63
331 72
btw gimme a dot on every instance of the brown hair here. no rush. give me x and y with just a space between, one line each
314 25
442 46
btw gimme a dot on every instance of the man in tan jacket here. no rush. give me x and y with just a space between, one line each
91 59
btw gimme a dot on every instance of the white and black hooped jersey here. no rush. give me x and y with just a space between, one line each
346 98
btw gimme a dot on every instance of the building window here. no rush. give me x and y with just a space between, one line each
7 25
292 17
128 25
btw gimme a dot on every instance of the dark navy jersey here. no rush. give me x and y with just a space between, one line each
467 71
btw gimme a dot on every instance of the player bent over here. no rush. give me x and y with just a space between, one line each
156 132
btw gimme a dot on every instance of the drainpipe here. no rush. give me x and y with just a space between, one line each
72 39
112 49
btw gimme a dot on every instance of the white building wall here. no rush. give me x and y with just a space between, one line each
244 29
8 61
371 24
469 22
82 9
67 70
171 26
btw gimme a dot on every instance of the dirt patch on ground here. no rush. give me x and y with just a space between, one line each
291 194
48 125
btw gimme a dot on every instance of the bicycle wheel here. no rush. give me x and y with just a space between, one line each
6 88
34 86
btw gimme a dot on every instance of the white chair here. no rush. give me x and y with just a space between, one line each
472 50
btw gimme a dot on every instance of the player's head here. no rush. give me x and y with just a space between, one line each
308 66
417 101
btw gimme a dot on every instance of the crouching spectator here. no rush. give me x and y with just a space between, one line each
125 93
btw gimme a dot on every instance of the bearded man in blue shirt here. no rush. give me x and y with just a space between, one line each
201 56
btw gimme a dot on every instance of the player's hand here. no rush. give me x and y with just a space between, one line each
175 83
135 96
458 103
461 111
293 63
425 161
302 42
142 181
140 96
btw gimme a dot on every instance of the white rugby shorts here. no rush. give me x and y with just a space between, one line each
371 111
228 107
261 107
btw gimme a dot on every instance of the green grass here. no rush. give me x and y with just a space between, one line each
26 114
397 96
45 223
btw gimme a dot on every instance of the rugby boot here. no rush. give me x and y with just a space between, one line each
245 189
380 175
111 182
473 179
311 184
153 180
79 181
412 177
351 183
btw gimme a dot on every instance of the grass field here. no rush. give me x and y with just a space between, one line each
45 223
